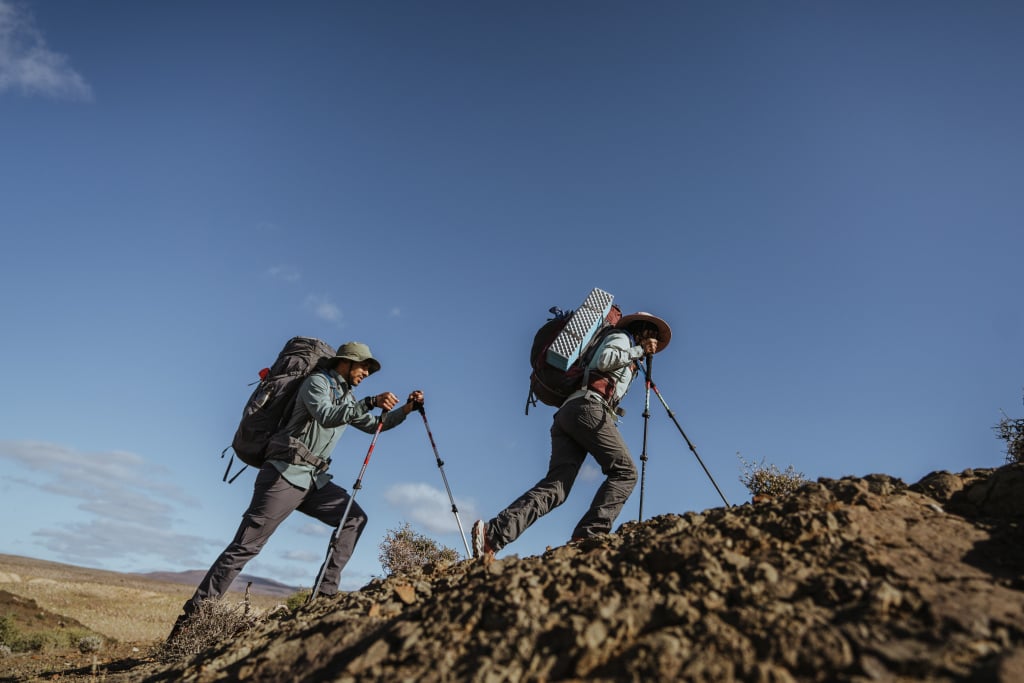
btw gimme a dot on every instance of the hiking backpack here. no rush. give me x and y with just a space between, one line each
271 402
564 346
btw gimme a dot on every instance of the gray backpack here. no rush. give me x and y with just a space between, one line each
270 405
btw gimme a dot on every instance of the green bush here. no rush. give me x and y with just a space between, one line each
762 480
8 631
298 599
403 551
28 640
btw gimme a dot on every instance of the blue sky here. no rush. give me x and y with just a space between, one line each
824 200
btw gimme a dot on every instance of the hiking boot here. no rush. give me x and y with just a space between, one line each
580 541
481 547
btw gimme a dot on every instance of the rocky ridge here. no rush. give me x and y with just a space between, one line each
856 579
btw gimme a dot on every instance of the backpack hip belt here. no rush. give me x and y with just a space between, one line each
604 387
286 448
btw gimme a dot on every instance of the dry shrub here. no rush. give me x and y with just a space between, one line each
762 480
1012 432
214 621
403 551
90 644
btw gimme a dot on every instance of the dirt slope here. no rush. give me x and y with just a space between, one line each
848 580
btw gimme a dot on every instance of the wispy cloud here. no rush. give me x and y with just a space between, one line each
396 312
128 508
301 556
117 475
428 506
323 308
590 472
312 528
29 65
99 541
285 272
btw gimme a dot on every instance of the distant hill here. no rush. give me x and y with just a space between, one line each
192 577
124 607
13 565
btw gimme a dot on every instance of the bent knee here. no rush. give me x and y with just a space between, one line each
624 472
357 517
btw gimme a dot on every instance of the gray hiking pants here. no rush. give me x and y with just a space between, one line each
273 499
583 425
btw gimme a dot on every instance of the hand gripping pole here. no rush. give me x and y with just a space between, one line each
348 508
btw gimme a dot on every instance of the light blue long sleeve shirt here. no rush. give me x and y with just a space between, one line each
615 357
323 408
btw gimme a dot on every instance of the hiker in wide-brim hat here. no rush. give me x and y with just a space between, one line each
640 323
585 423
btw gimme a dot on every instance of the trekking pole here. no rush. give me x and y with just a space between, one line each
685 438
643 453
348 507
440 466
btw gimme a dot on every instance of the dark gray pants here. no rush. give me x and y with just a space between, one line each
583 425
273 499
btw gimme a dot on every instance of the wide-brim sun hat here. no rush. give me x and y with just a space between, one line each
664 331
357 352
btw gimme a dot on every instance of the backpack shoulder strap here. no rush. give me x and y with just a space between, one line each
335 391
597 342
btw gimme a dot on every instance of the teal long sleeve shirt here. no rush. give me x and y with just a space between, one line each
323 408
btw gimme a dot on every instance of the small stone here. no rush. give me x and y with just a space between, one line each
406 593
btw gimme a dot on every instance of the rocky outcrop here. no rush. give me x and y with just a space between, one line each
856 579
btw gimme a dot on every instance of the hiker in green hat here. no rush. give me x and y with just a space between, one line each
294 476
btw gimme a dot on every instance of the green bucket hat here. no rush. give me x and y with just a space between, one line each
358 352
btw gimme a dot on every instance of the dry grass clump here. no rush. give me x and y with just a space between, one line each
768 481
403 551
90 644
214 621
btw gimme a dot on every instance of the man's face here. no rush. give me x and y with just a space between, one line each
644 331
355 373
